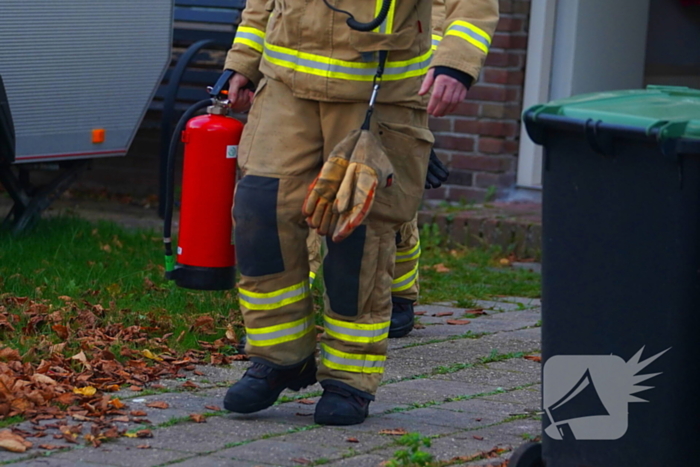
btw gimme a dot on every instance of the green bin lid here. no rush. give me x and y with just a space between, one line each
673 110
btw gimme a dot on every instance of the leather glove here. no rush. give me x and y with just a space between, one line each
437 172
369 170
321 194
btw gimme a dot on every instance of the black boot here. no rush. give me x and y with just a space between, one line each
263 383
341 405
401 317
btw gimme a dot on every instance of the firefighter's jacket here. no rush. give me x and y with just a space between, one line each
311 49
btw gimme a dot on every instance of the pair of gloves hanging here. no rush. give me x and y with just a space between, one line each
342 194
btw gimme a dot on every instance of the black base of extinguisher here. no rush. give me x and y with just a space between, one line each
199 278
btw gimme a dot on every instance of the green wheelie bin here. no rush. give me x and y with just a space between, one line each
620 279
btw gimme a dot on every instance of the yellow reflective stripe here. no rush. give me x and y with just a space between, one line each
413 253
341 69
406 281
387 26
436 41
253 38
355 332
312 277
272 335
470 33
249 43
355 363
273 300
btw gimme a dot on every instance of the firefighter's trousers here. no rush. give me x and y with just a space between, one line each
282 149
405 281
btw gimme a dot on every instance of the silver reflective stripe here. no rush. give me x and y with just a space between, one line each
304 289
369 333
351 362
392 69
250 36
470 33
405 281
266 336
408 256
399 70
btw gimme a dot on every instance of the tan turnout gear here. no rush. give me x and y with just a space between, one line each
314 78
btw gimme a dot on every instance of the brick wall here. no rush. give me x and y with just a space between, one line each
480 141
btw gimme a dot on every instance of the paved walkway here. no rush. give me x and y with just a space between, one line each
467 386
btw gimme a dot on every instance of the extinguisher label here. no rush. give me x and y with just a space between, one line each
231 152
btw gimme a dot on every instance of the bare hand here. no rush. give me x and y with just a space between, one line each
447 93
240 98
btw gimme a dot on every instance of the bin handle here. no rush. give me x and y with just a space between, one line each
600 142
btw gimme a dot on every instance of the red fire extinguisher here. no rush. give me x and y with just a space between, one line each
205 253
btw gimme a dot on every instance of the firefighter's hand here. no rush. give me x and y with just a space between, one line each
447 93
240 99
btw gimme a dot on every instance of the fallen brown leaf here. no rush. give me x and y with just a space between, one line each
480 438
138 413
534 358
475 312
143 446
352 440
198 418
441 268
158 405
215 408
144 434
189 385
306 401
458 322
302 460
443 313
419 313
50 447
393 432
135 388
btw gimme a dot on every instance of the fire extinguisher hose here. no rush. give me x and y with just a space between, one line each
170 184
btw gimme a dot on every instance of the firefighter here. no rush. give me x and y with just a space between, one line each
313 76
405 286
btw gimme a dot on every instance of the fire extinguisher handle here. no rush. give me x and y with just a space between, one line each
221 83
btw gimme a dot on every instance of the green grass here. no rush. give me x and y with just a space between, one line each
103 264
121 272
474 273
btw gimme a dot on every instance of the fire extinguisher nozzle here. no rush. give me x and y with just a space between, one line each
169 266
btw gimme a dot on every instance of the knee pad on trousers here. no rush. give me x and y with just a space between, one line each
258 250
341 272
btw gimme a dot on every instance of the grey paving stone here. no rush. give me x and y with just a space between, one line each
338 437
405 421
52 461
286 415
365 460
115 454
213 461
181 404
213 435
530 398
425 390
276 452
488 377
508 436
486 412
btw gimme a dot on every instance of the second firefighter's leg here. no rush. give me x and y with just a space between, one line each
404 288
280 159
